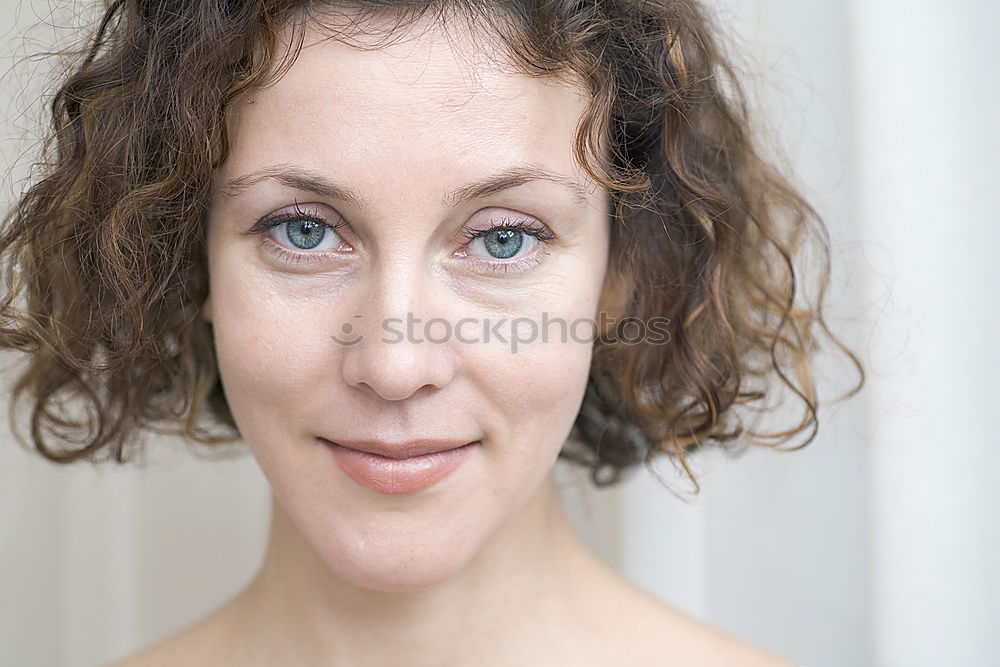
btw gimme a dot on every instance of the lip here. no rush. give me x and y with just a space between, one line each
402 450
400 474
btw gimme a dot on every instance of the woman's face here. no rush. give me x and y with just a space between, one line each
311 323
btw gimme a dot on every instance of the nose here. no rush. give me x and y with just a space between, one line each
397 354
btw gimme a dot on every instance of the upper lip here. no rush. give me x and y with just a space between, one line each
402 450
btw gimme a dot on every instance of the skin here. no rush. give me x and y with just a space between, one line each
482 568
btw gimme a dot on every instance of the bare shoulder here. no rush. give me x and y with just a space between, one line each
637 628
196 644
697 643
182 648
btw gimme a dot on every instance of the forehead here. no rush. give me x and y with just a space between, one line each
432 94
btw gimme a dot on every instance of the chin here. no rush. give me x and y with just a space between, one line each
401 568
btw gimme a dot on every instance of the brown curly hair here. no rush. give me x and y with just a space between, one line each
104 256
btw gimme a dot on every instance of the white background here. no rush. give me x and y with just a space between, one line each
875 545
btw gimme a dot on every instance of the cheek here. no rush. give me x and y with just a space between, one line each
542 397
270 351
539 374
537 382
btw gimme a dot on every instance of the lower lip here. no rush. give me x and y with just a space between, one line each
394 476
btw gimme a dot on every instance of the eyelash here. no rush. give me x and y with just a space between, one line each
496 267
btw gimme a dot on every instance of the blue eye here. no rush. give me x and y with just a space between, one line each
298 230
305 234
505 238
502 243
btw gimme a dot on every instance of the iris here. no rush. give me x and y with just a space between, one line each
503 243
306 234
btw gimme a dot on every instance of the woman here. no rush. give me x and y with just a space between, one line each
369 241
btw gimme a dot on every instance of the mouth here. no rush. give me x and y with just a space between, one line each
400 473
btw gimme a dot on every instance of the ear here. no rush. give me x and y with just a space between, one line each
206 309
616 295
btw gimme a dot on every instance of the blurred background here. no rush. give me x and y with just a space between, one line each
877 544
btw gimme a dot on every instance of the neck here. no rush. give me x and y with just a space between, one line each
519 589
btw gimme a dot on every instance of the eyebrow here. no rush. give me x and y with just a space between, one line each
302 179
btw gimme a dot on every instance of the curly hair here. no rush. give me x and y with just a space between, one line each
104 256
